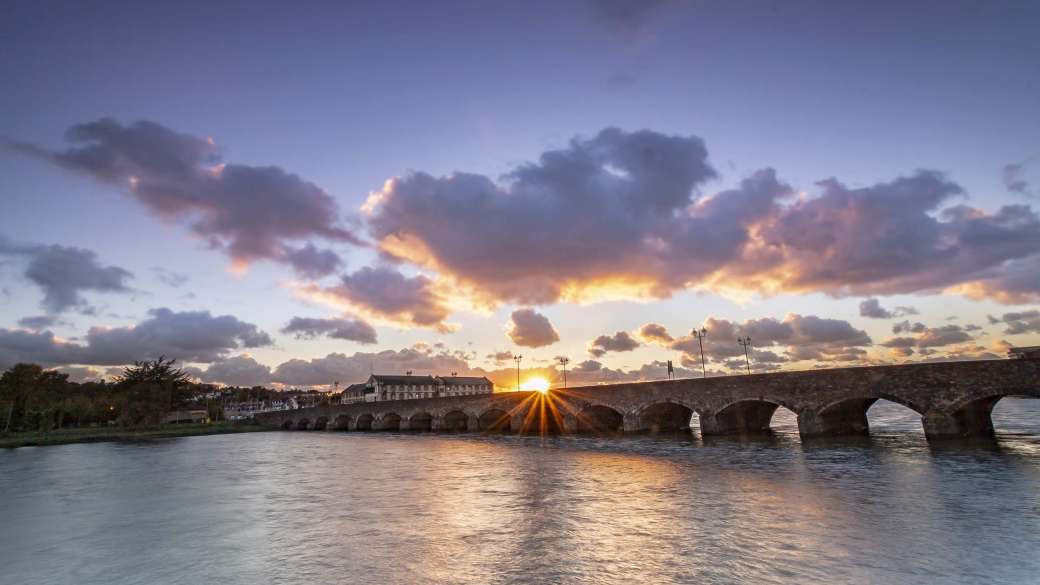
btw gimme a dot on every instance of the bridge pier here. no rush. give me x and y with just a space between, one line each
749 417
848 418
570 424
971 421
633 423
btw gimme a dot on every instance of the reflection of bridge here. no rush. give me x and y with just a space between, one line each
954 400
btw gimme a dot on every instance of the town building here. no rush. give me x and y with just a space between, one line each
354 393
465 385
381 387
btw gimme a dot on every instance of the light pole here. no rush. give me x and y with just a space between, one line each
564 361
746 342
700 335
517 358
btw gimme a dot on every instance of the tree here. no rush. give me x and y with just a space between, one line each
31 392
160 371
168 385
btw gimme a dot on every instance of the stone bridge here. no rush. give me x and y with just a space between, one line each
954 400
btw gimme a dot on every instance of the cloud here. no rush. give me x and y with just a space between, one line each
83 373
907 327
169 277
310 262
339 367
385 293
240 370
1019 323
190 336
1013 179
872 309
925 339
622 215
500 357
39 347
529 328
798 337
620 341
631 19
604 213
37 323
655 333
64 273
888 238
250 212
340 328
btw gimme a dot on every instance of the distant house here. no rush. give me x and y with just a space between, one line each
1025 353
408 387
393 387
465 385
187 416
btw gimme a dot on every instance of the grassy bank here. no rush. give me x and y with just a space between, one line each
94 435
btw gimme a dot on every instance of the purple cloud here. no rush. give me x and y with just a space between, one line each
190 336
250 212
339 328
529 328
386 293
64 273
620 341
872 309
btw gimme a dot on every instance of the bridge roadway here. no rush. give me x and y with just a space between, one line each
954 400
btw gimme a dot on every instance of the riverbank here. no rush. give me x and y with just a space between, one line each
102 434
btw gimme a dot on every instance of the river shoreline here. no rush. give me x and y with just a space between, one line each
107 434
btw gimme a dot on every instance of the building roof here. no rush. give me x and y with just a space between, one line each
402 380
355 388
462 380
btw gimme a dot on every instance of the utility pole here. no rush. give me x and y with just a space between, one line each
700 335
564 361
517 359
746 342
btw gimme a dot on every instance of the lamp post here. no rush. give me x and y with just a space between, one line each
564 361
700 335
746 342
517 358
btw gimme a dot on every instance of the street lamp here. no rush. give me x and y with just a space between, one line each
700 335
746 342
517 358
564 361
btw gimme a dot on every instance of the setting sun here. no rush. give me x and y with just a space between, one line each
540 384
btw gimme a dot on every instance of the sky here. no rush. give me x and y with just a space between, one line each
298 195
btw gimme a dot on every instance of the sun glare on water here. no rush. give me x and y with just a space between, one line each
540 384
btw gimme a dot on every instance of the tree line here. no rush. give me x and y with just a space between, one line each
33 398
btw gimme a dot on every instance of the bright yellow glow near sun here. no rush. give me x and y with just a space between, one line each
538 383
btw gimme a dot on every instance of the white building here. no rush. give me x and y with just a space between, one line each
394 387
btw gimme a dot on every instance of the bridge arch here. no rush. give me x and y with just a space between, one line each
743 417
303 424
365 422
321 423
287 424
494 420
420 421
664 417
390 421
341 423
599 419
455 421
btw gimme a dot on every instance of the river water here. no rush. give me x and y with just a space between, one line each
325 507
